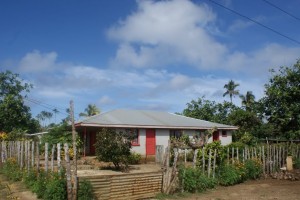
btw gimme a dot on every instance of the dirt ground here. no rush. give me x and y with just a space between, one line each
253 190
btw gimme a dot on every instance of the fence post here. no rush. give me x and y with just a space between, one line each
263 158
68 171
209 163
38 157
195 158
58 156
214 167
32 153
52 157
46 157
203 160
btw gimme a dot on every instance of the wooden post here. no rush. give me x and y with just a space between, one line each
28 156
32 153
68 171
195 158
263 159
22 154
58 157
52 157
214 166
237 154
209 163
74 136
243 155
46 157
227 155
38 157
203 160
232 155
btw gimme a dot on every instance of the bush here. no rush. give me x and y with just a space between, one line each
253 168
192 180
231 174
56 188
11 170
40 184
134 158
85 190
297 163
30 178
113 146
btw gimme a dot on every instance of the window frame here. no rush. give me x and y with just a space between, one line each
136 141
224 133
174 133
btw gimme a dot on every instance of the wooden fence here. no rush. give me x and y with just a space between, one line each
126 186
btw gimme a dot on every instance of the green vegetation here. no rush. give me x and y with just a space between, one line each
113 146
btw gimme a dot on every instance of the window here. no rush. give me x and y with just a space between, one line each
224 133
135 134
176 133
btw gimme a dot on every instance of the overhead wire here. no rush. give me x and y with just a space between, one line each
277 7
256 22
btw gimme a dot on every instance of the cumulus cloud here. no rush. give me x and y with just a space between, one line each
38 62
167 32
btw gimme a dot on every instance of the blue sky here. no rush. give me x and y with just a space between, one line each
156 55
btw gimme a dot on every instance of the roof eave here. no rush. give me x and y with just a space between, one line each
150 126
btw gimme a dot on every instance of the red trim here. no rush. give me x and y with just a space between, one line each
150 142
138 138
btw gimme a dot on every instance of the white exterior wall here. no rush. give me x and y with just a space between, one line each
224 140
163 136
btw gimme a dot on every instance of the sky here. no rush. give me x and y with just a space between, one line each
144 54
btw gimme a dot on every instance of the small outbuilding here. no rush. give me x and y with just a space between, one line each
150 128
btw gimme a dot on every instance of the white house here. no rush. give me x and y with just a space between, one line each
150 128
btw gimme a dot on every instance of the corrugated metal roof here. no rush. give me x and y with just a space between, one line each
148 119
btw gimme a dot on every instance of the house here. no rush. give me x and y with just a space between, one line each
150 128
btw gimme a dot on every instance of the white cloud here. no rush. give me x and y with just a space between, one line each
37 62
106 100
167 32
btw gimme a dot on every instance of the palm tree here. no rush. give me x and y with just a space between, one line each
90 111
248 100
55 112
231 89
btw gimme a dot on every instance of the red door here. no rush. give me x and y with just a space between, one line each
92 143
216 136
150 142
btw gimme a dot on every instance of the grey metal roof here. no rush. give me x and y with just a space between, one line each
148 119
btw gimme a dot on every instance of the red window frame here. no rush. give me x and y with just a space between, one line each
136 141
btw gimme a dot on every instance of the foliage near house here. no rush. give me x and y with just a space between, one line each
113 146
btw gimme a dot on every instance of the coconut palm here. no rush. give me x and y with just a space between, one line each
55 111
90 111
247 100
231 89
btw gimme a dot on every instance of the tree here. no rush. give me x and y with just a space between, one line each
113 146
209 110
14 114
248 100
231 89
282 101
90 111
55 111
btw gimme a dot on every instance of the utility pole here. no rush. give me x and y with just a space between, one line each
74 136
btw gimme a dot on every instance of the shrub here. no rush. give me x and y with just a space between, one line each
253 168
192 180
40 184
231 174
30 178
297 163
134 158
56 188
11 170
85 190
113 146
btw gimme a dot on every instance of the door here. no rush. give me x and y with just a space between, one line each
216 136
92 143
150 142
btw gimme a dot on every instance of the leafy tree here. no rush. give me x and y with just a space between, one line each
55 111
209 110
248 100
90 111
282 101
14 114
231 89
113 146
